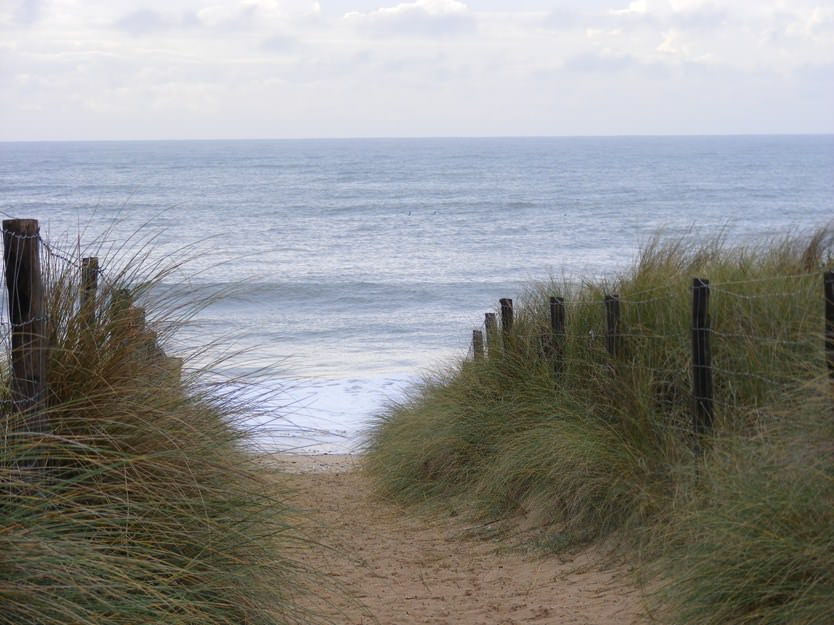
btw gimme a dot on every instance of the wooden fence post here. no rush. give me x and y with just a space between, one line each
491 328
121 319
701 358
612 324
122 299
129 331
828 286
557 332
89 286
478 344
507 323
21 247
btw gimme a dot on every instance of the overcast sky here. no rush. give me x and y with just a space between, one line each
150 69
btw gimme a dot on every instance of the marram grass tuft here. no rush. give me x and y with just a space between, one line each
756 544
141 503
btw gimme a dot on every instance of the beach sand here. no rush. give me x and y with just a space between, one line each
402 567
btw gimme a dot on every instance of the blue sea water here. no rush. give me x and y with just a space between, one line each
358 264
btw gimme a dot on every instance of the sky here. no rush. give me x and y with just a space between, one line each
211 69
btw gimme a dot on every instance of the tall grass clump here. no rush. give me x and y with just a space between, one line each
756 544
587 443
140 504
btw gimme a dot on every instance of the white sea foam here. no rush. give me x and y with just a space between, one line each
320 415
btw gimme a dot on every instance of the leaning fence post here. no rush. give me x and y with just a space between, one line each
89 286
612 324
491 329
478 344
701 358
119 318
828 285
506 323
21 248
557 332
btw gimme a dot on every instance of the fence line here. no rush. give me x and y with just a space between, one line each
27 334
728 326
612 332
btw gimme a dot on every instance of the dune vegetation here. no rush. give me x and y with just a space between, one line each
140 503
732 525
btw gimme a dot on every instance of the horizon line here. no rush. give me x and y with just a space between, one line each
427 137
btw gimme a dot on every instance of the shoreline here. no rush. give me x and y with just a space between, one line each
303 464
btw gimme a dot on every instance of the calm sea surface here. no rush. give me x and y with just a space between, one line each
357 264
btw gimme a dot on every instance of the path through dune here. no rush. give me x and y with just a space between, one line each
407 569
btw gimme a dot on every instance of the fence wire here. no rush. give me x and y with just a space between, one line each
765 334
53 262
753 321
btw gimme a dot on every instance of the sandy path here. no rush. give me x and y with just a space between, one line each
408 569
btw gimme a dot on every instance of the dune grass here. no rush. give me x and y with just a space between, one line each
596 446
756 544
142 503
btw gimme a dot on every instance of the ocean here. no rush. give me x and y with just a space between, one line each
354 267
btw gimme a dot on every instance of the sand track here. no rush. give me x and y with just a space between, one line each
408 569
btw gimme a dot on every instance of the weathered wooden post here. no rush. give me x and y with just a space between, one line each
129 332
122 299
828 286
491 329
121 321
478 344
21 254
136 335
507 323
613 337
557 332
701 358
89 287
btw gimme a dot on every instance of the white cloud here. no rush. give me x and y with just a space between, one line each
638 7
285 8
142 22
227 17
28 12
672 44
421 18
689 5
689 14
291 67
600 62
817 24
252 12
428 7
677 45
